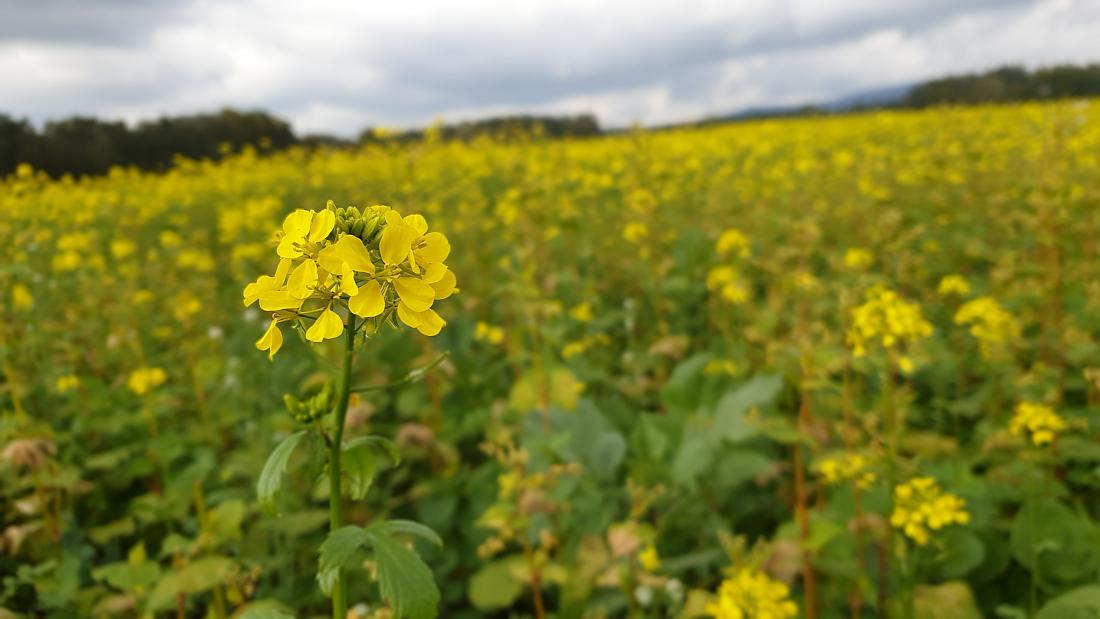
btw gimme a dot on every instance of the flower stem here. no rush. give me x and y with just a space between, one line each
335 471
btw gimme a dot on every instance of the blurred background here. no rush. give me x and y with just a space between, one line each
91 84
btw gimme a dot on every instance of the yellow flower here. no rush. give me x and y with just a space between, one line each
845 468
484 332
750 594
635 232
953 285
21 297
1038 421
303 227
993 327
921 507
886 320
143 380
649 559
67 383
272 339
582 312
728 283
858 259
732 242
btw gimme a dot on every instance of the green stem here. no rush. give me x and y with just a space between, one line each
335 472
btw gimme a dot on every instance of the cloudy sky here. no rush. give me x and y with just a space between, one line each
337 66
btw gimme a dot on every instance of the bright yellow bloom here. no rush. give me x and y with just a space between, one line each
272 339
1038 421
858 259
921 507
67 383
750 594
993 327
886 320
21 297
649 559
729 285
635 232
582 312
845 468
484 332
953 285
732 242
144 380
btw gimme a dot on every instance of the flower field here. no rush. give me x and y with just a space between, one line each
844 366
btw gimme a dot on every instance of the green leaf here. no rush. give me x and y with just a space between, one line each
360 462
495 586
265 609
404 579
391 527
1053 540
337 549
1080 603
963 551
271 477
730 422
195 577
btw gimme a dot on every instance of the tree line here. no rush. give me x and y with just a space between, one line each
86 146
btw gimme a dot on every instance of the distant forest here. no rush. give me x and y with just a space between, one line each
88 146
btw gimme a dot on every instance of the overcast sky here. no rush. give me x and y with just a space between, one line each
336 67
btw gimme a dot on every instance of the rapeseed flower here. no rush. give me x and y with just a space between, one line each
1038 421
751 594
921 507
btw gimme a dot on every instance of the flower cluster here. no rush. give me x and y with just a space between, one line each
990 324
887 320
953 285
847 467
374 264
1038 421
733 242
921 506
728 283
751 594
143 380
858 259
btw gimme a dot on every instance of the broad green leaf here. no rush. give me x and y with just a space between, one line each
1080 603
1051 538
962 552
271 477
337 549
730 422
391 527
360 462
951 600
495 586
195 577
265 609
404 579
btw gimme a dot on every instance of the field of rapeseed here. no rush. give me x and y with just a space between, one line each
824 367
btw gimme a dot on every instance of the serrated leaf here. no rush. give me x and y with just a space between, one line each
360 462
404 579
379 444
390 527
271 477
337 549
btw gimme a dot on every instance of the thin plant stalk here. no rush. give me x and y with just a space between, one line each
335 470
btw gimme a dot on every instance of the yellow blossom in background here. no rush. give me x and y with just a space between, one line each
635 232
67 383
751 594
886 320
717 367
953 285
1038 421
921 507
21 298
858 259
143 380
729 285
733 243
582 312
649 559
994 328
845 468
485 332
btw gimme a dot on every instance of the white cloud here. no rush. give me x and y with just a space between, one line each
336 66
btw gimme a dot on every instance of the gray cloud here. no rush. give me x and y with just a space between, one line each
336 66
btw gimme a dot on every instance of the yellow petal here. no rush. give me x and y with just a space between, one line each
415 293
433 247
369 302
287 249
322 225
297 223
418 223
275 300
347 281
330 260
396 243
253 291
272 340
327 326
433 272
352 251
445 287
430 322
282 271
302 280
407 316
